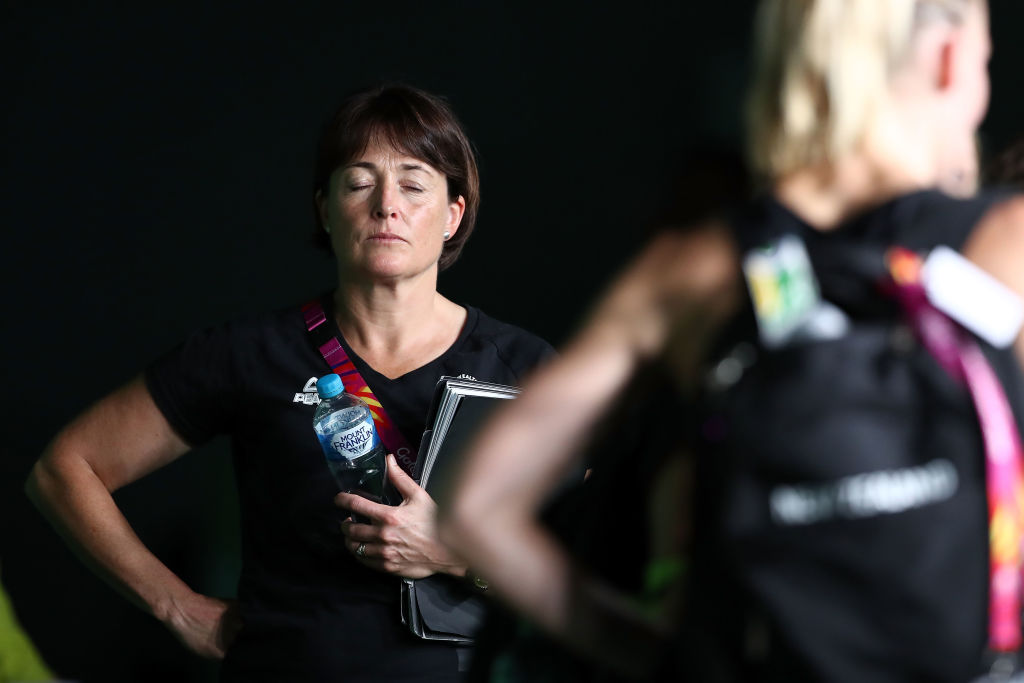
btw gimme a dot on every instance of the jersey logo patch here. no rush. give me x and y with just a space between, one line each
865 495
308 395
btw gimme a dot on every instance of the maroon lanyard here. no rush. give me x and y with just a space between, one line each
339 363
961 357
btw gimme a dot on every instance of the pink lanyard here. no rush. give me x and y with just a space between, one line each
960 355
339 362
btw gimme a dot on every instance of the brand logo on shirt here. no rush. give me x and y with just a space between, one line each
865 495
308 395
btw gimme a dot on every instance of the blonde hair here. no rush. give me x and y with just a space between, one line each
822 66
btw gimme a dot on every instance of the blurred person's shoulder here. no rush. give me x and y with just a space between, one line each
929 218
996 242
1003 206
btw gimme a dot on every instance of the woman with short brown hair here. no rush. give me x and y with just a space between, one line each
396 195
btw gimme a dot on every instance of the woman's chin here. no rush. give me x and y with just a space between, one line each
390 268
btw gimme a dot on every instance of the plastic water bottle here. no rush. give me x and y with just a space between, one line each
355 454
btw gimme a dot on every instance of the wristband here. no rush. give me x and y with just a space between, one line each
478 582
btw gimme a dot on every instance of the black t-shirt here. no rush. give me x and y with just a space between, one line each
311 612
841 519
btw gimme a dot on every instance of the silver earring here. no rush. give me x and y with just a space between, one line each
447 235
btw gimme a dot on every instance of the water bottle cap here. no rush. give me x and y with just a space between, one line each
329 386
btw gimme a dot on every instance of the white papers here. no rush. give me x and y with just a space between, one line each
448 396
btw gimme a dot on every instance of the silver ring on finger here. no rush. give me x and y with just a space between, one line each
361 550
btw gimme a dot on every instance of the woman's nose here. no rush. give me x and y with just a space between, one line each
385 208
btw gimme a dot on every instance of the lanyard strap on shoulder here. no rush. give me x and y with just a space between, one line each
338 361
961 357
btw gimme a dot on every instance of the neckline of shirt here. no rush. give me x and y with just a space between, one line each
472 318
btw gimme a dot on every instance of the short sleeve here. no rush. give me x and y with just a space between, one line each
196 385
935 218
532 354
520 351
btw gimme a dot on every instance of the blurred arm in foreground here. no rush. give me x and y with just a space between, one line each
674 296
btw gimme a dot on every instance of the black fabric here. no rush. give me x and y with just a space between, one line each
862 586
310 611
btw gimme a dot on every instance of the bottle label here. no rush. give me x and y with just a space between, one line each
355 441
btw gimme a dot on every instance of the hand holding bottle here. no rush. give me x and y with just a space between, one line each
400 539
344 425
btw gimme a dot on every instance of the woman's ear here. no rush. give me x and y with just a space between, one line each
944 76
321 207
456 210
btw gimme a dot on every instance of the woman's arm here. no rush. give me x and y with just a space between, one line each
997 245
115 442
680 288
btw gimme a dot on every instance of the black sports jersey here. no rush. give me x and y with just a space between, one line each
841 519
310 612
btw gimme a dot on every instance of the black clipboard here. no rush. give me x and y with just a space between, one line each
442 607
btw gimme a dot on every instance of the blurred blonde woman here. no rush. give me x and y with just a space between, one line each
842 480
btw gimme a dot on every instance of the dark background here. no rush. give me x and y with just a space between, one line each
156 178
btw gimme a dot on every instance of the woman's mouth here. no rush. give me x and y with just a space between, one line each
385 237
